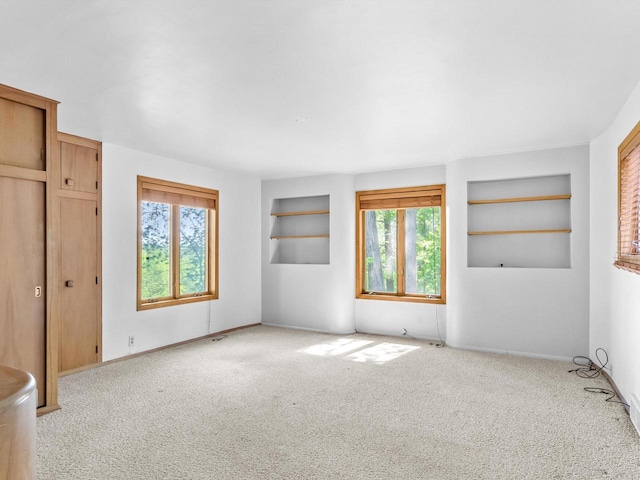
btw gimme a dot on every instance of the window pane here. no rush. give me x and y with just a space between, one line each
193 250
422 251
380 251
156 264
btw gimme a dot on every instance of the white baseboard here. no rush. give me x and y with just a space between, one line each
461 347
634 411
399 335
511 352
295 327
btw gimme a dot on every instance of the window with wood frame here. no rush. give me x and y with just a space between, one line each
400 237
177 243
628 257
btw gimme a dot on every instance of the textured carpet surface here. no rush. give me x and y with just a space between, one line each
270 403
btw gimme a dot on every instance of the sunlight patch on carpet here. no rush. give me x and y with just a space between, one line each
381 353
336 347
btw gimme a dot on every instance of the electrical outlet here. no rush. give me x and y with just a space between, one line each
132 340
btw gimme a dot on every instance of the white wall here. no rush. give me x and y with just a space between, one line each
239 255
322 297
532 311
615 294
315 297
390 318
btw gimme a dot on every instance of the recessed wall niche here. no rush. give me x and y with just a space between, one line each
300 231
519 223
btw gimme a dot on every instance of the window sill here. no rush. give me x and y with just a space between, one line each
628 266
401 298
176 301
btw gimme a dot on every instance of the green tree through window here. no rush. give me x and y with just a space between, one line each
193 250
156 251
422 251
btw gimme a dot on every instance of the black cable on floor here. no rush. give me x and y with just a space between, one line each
605 391
587 369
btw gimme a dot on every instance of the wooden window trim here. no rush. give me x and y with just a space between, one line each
179 194
628 151
399 199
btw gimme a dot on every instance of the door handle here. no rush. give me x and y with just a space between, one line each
68 283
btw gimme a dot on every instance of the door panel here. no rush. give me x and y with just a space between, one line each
79 170
22 136
79 299
22 269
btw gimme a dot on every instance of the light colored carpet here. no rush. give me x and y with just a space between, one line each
262 404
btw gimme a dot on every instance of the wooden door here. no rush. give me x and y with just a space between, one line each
79 289
79 168
28 251
22 278
80 255
22 136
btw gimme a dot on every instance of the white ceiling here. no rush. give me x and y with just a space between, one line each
286 88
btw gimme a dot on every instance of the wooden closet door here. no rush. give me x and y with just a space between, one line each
79 305
22 278
22 136
80 257
78 168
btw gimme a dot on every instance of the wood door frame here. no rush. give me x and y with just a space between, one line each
61 193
